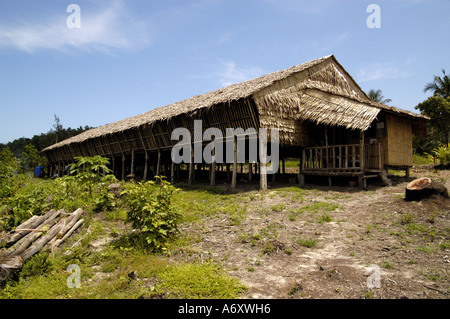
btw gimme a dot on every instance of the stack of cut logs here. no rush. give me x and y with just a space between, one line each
39 232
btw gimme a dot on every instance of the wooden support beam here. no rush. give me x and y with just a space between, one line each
158 164
123 166
250 171
361 151
234 176
172 172
213 168
263 166
145 167
132 161
191 167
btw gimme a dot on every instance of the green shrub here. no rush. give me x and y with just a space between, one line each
23 205
37 265
441 154
90 171
151 213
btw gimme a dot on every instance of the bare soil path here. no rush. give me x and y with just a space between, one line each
319 242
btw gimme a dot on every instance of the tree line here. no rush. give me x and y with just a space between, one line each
28 150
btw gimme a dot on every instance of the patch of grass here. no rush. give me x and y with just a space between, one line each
278 208
318 206
270 231
268 248
324 218
236 212
422 160
192 281
444 245
406 218
311 242
387 265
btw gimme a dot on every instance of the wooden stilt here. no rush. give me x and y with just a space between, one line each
132 162
263 166
234 176
123 166
172 172
301 179
213 168
146 167
250 172
158 164
191 168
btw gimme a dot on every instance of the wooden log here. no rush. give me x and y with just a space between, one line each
9 266
23 229
71 230
40 243
425 187
67 225
19 247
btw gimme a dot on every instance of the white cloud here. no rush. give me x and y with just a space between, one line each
231 74
110 28
328 44
382 71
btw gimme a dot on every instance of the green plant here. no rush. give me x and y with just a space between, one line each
278 207
151 213
268 248
23 205
306 242
441 154
89 171
387 265
105 201
192 281
406 219
325 218
37 265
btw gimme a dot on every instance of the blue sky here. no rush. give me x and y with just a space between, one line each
129 57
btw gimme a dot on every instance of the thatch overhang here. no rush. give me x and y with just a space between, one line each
319 90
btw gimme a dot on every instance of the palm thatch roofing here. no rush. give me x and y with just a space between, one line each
319 90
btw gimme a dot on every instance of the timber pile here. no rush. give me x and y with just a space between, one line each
39 232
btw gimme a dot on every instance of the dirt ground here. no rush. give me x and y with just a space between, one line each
365 237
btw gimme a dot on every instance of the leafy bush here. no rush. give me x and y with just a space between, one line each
23 205
6 180
441 154
104 201
90 171
151 212
37 265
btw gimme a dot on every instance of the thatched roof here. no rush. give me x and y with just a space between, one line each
351 107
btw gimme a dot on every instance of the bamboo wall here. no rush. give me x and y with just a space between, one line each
157 136
398 141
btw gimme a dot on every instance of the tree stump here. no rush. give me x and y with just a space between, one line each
424 187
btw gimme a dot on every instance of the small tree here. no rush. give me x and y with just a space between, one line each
31 157
438 108
151 213
377 96
440 85
91 170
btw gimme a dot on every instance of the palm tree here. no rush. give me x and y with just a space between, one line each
440 85
377 96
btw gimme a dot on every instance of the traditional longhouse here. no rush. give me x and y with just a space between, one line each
323 118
